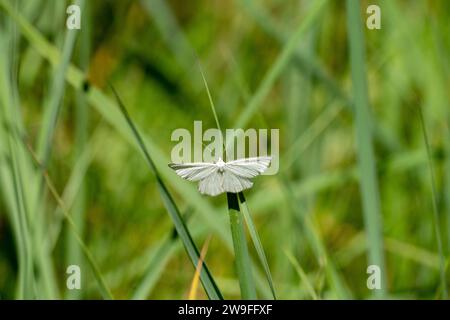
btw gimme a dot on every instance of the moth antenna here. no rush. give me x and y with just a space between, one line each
210 149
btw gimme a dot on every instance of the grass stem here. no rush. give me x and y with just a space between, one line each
366 157
242 258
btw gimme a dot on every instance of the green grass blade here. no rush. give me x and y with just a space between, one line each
211 102
158 262
74 185
104 290
243 262
281 62
105 106
436 220
305 62
303 277
166 22
318 247
26 280
447 181
206 278
242 258
256 242
74 254
366 158
14 188
310 134
55 96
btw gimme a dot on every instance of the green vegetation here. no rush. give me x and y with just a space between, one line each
86 118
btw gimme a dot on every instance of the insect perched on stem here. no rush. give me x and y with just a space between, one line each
218 177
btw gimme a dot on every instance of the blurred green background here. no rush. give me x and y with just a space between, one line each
278 64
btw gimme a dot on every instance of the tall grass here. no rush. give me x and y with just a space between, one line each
289 49
436 217
74 255
242 259
207 280
105 292
364 145
237 210
303 234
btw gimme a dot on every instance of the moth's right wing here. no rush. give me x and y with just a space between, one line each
195 171
249 167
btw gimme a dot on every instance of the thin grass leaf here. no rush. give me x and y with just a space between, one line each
105 106
104 290
208 282
366 159
242 258
165 21
436 220
301 273
158 261
305 62
55 96
159 258
280 63
74 254
312 235
12 186
256 242
310 134
26 280
194 284
211 102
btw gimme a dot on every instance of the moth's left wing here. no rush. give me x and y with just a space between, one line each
234 183
248 168
195 171
212 185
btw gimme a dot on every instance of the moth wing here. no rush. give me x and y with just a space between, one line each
195 171
248 168
212 185
234 183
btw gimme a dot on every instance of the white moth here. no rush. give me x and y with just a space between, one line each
218 177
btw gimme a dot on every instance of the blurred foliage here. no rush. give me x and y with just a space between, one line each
148 50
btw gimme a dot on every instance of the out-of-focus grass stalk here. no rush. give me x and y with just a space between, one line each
192 295
436 220
243 262
166 22
306 63
159 258
242 258
447 179
303 141
321 182
104 290
26 274
256 241
208 281
366 158
56 94
312 235
12 187
303 276
278 66
158 261
105 106
74 254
